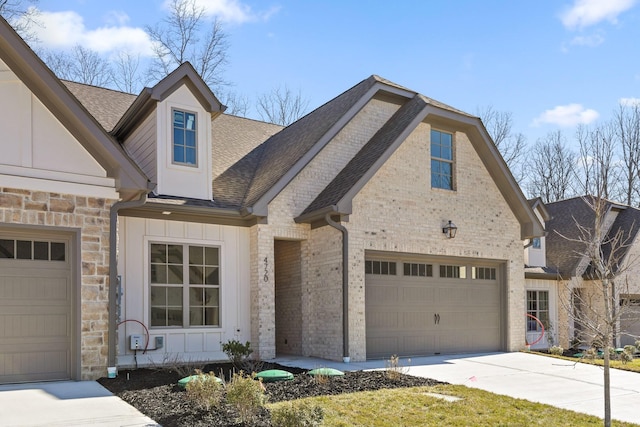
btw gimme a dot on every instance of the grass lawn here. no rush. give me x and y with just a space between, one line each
633 365
418 407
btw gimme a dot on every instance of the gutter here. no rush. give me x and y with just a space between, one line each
345 285
113 270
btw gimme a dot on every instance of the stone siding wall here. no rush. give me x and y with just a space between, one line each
90 217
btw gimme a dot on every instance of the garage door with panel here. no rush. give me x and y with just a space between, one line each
422 307
35 309
629 319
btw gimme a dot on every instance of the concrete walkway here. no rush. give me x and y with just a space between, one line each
577 387
66 403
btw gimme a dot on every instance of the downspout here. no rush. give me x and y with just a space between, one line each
113 270
345 285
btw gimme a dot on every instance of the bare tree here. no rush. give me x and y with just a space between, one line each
82 65
598 172
126 72
181 38
627 127
22 15
237 104
282 106
511 145
551 168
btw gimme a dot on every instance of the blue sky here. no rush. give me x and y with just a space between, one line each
552 63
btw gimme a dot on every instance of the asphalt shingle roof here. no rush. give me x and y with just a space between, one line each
105 105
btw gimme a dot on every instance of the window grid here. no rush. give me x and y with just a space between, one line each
184 138
384 268
441 160
537 306
418 269
33 250
453 271
185 285
483 273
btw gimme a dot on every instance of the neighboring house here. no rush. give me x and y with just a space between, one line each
557 269
229 228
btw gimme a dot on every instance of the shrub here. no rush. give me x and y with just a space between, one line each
237 352
626 356
591 353
556 350
393 368
631 349
246 394
205 390
300 414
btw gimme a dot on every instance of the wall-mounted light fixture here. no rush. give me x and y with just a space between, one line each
450 230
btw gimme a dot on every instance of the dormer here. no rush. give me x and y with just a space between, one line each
535 250
167 130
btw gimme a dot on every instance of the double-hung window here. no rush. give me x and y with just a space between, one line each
184 138
185 285
441 160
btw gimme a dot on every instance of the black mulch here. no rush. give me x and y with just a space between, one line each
155 393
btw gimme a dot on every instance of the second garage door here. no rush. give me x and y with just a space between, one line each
35 309
431 306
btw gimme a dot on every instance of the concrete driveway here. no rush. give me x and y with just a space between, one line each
578 387
66 403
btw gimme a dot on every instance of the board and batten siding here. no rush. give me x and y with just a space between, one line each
141 147
181 344
38 152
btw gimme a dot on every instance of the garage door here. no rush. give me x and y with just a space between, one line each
424 307
35 309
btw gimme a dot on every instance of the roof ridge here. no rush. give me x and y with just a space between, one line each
98 87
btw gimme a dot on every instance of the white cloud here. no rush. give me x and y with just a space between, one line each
63 30
629 102
585 13
589 41
232 11
567 115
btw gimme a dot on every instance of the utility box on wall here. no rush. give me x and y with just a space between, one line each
136 342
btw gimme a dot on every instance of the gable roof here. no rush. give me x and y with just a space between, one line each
563 246
130 180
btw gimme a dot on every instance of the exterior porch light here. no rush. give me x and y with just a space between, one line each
450 230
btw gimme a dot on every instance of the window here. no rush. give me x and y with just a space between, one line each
537 306
418 270
441 160
453 271
387 268
184 138
535 243
483 273
32 250
185 285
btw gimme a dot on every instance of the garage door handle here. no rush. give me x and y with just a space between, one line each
436 319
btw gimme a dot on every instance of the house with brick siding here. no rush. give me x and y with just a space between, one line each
560 280
153 228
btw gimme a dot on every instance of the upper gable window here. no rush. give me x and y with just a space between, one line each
441 160
184 138
535 243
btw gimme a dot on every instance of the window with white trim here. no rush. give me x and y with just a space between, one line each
535 243
385 268
537 306
441 160
453 271
185 285
184 136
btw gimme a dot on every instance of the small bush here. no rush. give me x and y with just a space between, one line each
626 357
237 352
246 394
631 349
556 350
300 414
591 353
252 365
638 344
321 378
205 390
393 369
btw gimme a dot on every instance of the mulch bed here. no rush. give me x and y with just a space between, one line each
155 392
